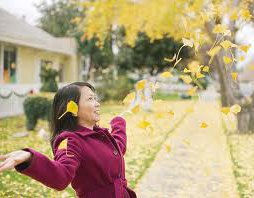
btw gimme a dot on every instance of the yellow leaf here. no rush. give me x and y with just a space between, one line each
227 60
234 15
194 67
206 69
225 110
192 91
160 115
135 109
212 52
251 67
186 141
226 44
235 108
171 112
199 75
141 84
166 75
186 70
246 14
63 144
234 76
72 107
170 60
130 97
168 148
187 42
186 78
245 48
144 124
241 58
220 28
203 125
190 110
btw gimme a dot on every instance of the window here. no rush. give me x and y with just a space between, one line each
10 56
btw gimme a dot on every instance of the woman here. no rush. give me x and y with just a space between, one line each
85 155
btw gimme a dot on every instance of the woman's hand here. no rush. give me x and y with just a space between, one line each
14 158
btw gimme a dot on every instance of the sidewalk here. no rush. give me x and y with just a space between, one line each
198 165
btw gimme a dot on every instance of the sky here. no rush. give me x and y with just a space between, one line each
21 8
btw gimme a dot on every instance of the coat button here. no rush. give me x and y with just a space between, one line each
115 152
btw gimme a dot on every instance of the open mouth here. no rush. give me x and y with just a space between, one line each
97 112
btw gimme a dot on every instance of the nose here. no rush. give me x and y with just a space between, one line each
97 104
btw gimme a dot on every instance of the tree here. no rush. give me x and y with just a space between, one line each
196 22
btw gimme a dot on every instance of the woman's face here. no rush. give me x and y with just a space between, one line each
88 107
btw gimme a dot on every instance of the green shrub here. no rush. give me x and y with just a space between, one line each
37 107
115 90
48 79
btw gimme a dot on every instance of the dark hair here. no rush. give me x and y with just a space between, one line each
62 97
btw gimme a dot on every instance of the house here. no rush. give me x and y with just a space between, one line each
24 49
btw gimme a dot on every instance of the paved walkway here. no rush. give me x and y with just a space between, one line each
198 165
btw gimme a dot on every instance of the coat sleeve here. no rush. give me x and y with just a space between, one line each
118 132
57 173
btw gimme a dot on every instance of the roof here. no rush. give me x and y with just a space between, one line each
17 31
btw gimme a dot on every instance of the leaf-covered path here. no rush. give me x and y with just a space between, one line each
198 164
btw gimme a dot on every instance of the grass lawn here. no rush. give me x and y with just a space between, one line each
142 146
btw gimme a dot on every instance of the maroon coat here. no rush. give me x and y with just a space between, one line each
93 162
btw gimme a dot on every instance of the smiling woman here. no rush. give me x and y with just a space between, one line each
85 155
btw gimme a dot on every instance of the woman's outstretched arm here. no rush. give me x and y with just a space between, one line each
57 173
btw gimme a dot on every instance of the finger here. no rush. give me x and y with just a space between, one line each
7 166
3 157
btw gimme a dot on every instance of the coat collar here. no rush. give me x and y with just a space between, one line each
84 131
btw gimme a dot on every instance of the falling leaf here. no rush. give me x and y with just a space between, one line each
160 115
203 125
206 69
186 141
186 78
192 91
234 15
227 60
241 58
245 48
166 75
220 28
72 107
235 108
168 148
63 144
170 60
187 42
130 97
225 110
194 67
234 76
144 124
246 14
135 109
190 110
141 84
171 112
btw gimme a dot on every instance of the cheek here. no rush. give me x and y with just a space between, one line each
85 110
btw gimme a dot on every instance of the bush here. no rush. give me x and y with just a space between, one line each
115 90
48 79
37 107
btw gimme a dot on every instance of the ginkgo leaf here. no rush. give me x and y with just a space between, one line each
212 52
170 60
186 70
144 124
194 67
203 125
135 109
177 61
226 44
235 108
234 15
220 28
251 67
72 107
160 115
241 58
166 75
190 110
234 76
63 144
130 97
225 110
187 42
246 14
187 141
171 112
186 78
227 59
141 84
168 148
245 48
199 75
206 69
